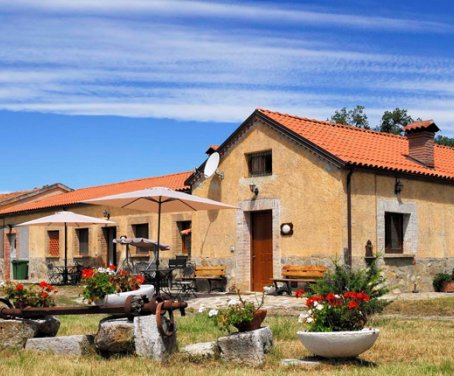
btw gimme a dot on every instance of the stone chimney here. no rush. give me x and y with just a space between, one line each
421 136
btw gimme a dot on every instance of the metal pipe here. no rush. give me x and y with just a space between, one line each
349 217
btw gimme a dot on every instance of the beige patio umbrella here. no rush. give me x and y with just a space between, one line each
66 218
159 200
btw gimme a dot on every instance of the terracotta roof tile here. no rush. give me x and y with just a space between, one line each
419 125
174 181
366 148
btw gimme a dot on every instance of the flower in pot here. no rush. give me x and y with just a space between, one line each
337 311
444 282
241 314
102 282
35 295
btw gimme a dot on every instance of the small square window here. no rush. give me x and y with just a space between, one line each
394 233
260 164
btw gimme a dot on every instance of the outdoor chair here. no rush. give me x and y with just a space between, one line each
54 274
185 285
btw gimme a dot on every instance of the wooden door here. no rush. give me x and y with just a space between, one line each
261 249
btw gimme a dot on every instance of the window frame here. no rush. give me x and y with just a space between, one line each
264 168
83 244
395 220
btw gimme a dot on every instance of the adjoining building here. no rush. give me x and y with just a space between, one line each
91 244
311 191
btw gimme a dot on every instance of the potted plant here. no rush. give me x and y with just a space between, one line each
337 311
241 314
35 295
444 282
106 286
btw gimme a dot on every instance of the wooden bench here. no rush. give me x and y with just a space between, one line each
210 274
292 273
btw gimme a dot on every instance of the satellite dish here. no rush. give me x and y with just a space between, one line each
211 165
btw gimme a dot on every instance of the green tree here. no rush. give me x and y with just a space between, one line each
443 140
394 121
356 117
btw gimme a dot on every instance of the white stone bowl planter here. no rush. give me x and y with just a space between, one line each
346 344
120 298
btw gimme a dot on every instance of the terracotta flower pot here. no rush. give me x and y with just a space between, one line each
255 323
448 286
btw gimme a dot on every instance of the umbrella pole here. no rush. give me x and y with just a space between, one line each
158 276
65 270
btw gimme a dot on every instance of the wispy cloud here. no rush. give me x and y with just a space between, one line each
139 59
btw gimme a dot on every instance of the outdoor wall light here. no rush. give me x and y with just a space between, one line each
287 229
398 186
10 227
106 214
253 188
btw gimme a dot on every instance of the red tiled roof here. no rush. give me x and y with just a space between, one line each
174 181
423 124
365 148
10 195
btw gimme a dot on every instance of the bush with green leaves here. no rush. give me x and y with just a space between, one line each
367 280
441 278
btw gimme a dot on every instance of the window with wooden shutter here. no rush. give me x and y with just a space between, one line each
260 164
54 243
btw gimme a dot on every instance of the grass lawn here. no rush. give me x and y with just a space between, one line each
406 346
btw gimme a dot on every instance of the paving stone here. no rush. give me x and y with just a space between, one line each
201 350
300 362
115 336
246 348
15 333
64 345
148 341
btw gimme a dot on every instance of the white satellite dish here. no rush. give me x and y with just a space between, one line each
211 165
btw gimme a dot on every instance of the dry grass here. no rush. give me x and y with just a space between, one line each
405 347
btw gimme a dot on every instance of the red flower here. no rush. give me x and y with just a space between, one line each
363 296
87 273
19 287
299 293
140 279
112 267
43 285
330 297
352 305
44 294
311 300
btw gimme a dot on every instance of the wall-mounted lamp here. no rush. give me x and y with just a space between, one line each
10 227
398 186
254 189
287 229
106 214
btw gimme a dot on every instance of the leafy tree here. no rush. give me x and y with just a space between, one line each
394 121
356 117
443 140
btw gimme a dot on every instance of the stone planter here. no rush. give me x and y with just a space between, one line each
247 326
348 344
120 298
448 286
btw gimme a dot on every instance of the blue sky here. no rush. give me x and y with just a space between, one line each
93 92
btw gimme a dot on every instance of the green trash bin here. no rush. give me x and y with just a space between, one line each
20 269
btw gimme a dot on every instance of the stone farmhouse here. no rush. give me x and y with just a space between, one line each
309 191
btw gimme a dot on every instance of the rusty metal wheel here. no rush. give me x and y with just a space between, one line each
159 321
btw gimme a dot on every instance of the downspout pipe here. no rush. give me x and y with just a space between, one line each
349 218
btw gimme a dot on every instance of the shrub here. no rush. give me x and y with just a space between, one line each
440 278
36 295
